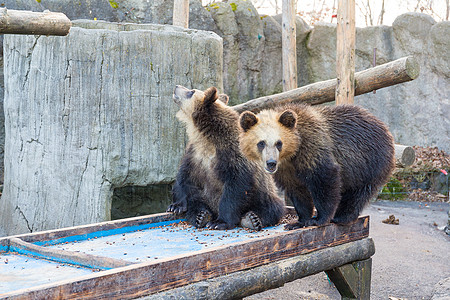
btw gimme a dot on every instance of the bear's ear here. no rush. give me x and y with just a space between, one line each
247 120
210 96
288 119
224 98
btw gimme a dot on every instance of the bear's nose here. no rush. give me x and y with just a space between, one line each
271 164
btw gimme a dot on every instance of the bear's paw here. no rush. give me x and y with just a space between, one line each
251 221
203 218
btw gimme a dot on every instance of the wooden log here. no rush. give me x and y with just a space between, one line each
404 156
36 23
392 73
181 13
62 256
289 45
245 283
345 52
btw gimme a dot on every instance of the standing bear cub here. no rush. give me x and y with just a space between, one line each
216 185
333 158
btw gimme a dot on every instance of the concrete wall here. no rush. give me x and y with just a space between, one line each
93 111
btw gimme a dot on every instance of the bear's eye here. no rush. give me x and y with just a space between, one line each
189 94
261 145
279 145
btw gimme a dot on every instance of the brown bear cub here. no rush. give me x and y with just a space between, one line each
216 185
334 158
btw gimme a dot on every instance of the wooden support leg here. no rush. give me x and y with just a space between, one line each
353 280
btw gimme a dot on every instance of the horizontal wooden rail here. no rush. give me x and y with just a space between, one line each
62 256
37 23
392 73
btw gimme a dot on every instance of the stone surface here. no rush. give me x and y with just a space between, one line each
93 111
441 290
416 112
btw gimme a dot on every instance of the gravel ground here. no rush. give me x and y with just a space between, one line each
410 259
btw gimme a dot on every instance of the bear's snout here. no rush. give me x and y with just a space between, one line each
271 166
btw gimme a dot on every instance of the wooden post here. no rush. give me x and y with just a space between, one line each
181 13
345 52
353 280
37 23
289 56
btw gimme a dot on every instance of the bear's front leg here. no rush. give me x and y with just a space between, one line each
303 204
179 201
324 185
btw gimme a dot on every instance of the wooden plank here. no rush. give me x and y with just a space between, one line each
345 52
353 280
273 275
27 22
151 277
79 259
289 45
181 13
392 73
83 231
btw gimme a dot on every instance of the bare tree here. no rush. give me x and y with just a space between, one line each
448 10
381 16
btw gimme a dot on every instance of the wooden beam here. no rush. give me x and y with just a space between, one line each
345 52
37 23
62 256
392 73
289 45
273 275
181 13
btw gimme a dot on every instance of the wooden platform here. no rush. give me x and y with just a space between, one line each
145 255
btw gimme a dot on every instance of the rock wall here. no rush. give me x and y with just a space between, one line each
92 112
416 112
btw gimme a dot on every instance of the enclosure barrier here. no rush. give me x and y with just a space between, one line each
391 73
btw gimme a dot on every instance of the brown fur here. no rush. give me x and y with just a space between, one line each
214 175
333 157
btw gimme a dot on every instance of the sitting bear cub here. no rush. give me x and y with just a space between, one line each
216 185
333 158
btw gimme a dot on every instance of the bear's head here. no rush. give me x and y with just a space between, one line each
190 101
269 137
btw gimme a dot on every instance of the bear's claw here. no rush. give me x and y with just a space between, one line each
252 221
203 218
311 222
177 208
218 225
294 225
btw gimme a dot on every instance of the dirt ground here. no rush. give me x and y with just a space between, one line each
410 258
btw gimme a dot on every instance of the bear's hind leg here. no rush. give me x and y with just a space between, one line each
268 207
252 221
198 214
352 203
